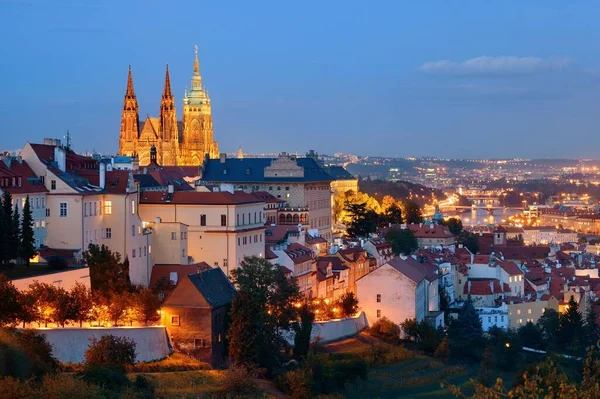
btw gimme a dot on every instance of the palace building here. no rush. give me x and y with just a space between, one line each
185 142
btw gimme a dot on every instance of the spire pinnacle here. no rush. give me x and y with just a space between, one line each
167 91
129 84
196 62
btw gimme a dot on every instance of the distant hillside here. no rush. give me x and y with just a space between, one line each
399 190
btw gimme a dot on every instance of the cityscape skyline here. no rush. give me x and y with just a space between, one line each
526 91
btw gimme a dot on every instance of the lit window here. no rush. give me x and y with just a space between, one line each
175 320
133 207
528 311
108 207
518 311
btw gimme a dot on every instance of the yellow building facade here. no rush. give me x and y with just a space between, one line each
182 143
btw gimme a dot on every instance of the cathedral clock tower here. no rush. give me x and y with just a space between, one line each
130 120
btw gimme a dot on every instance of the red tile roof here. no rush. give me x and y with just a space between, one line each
485 287
430 231
353 254
116 181
164 271
30 182
412 269
198 198
509 267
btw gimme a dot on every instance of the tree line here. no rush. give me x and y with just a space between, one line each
16 232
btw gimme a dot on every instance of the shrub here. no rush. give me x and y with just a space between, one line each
443 350
12 388
175 362
68 386
298 384
108 376
240 380
25 354
386 330
111 350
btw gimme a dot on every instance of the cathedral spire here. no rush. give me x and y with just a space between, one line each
196 78
196 62
129 92
167 92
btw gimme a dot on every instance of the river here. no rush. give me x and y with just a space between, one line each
478 216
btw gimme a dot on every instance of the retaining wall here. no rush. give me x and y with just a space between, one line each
334 330
65 279
70 344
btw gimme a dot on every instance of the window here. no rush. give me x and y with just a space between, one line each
239 241
243 218
139 230
37 202
95 208
108 207
100 208
37 223
202 220
145 250
63 210
133 207
198 343
43 223
47 212
175 320
510 279
287 188
85 209
133 230
237 221
107 233
173 235
378 313
133 253
219 337
489 319
53 185
183 235
378 297
223 220
518 311
254 217
528 311
245 240
183 253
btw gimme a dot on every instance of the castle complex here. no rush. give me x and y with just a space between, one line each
184 142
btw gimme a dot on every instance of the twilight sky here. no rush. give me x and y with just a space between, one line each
408 78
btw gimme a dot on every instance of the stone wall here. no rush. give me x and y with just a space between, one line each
66 279
70 344
334 330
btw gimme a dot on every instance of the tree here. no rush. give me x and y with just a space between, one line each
147 305
392 213
469 241
81 303
62 307
530 335
571 326
349 304
410 328
592 329
27 238
454 225
118 305
413 213
15 243
10 306
260 312
549 324
6 229
303 330
108 274
44 296
403 241
362 221
465 333
110 350
443 350
486 367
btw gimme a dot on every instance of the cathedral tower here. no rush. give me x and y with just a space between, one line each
167 130
197 122
130 120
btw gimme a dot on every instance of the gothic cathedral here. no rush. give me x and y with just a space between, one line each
182 143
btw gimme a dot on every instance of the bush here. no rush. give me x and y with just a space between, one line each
175 362
298 384
25 354
240 380
386 329
68 386
107 376
110 350
12 388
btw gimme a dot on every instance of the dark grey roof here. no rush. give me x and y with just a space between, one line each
252 170
214 286
146 181
339 173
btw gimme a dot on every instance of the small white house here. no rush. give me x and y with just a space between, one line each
400 289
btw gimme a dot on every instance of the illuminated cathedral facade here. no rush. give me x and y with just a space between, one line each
182 143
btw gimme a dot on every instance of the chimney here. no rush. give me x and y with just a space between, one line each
60 158
222 157
102 175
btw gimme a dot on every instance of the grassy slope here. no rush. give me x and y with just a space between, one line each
413 378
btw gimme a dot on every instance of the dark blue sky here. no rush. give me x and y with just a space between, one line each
440 78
